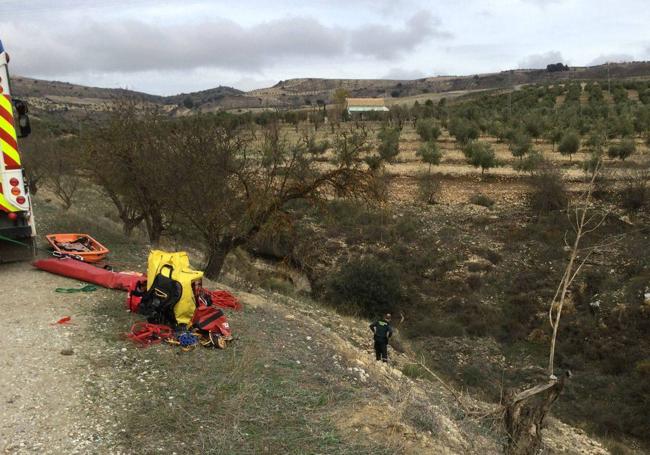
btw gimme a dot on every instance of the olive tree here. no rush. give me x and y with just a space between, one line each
569 144
427 130
389 143
554 136
520 145
480 154
622 150
430 154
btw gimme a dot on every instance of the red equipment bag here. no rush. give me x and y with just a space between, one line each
210 319
133 302
134 296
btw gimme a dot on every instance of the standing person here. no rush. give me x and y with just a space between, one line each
383 331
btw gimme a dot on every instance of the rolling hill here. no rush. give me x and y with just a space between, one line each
70 99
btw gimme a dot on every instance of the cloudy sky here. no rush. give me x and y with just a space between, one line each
168 47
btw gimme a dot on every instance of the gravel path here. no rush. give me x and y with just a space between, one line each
42 394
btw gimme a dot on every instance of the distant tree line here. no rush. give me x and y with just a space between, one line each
556 67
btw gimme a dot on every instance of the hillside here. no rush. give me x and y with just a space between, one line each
298 379
74 100
469 257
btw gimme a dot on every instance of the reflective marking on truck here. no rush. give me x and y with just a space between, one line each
5 205
8 141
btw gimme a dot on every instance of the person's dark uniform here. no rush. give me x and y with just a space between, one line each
383 331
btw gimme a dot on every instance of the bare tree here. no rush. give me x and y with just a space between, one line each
584 220
526 411
37 149
63 170
122 157
230 187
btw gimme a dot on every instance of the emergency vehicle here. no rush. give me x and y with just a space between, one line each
17 228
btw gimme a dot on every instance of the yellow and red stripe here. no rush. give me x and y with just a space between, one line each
8 141
5 205
8 146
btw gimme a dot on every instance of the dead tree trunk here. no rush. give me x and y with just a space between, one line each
525 414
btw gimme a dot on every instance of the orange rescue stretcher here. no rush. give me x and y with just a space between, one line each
81 245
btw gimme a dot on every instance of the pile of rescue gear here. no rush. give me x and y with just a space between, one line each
177 307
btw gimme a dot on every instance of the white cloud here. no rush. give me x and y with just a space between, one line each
168 46
543 3
536 61
135 46
403 74
611 58
387 42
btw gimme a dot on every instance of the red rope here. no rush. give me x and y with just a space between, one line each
146 334
223 299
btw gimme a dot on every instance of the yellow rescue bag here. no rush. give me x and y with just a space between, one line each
183 273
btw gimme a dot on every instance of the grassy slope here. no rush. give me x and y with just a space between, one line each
298 379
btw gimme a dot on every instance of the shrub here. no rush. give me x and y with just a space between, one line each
188 102
480 154
474 281
530 163
317 148
430 153
642 368
414 371
617 448
622 150
366 285
479 267
591 164
428 188
482 200
463 131
389 143
493 256
427 129
520 145
549 192
407 228
278 285
435 327
635 194
473 375
425 418
569 144
634 197
596 141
